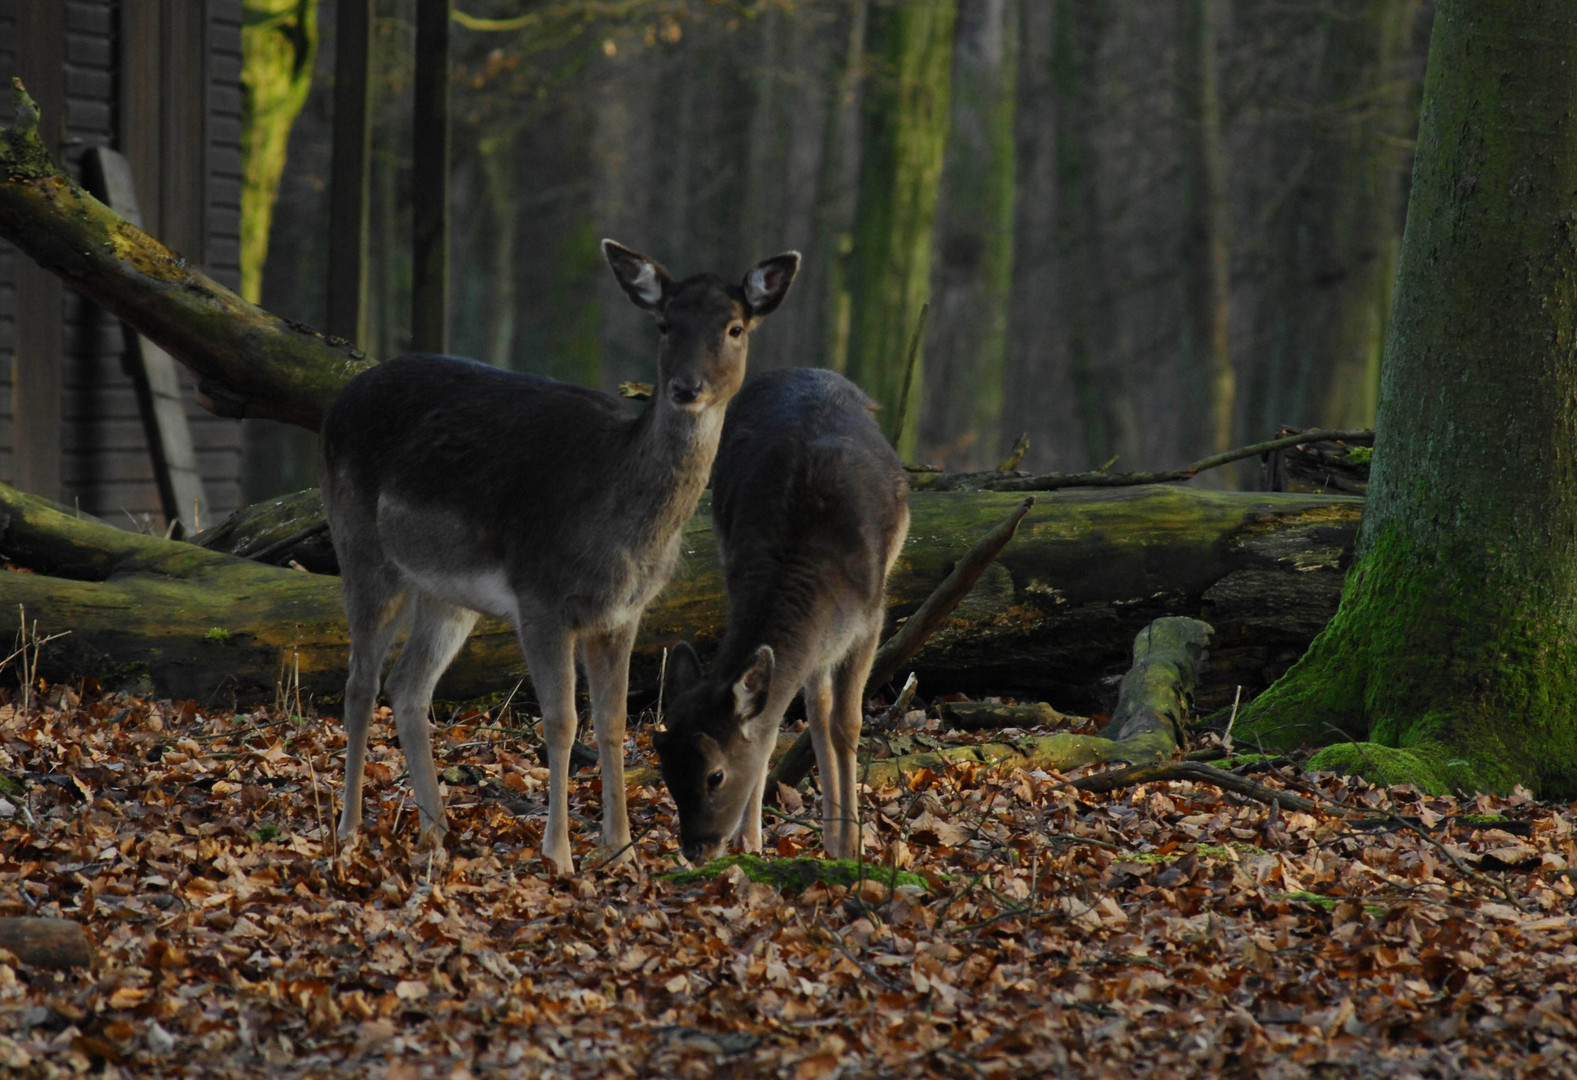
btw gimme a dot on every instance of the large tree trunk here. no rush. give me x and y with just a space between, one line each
1055 615
1453 660
970 284
905 111
1205 264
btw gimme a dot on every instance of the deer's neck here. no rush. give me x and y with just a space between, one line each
670 463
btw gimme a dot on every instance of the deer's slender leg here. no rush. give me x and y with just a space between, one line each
750 825
607 658
819 705
550 661
373 608
847 716
438 629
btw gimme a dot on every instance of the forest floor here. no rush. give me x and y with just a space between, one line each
1159 931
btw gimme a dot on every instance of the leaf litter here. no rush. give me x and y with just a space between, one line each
1165 930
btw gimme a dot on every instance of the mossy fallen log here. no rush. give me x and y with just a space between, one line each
248 361
1146 726
1055 615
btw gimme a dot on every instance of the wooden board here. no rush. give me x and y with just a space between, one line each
153 373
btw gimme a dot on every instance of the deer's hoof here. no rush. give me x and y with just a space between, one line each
431 839
558 858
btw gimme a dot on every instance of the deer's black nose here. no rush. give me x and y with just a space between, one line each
700 850
684 389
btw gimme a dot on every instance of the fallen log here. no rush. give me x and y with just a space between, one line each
47 943
248 362
1055 615
987 715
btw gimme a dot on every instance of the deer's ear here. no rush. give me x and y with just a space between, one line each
684 669
768 283
750 689
642 278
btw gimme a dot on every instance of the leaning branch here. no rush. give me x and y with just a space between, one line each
901 647
248 362
1198 772
796 764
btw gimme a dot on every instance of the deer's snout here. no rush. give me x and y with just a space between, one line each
684 389
698 852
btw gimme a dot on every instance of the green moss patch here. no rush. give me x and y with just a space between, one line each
798 874
1329 903
1235 850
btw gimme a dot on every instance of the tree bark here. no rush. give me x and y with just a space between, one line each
1206 285
972 277
905 127
1054 615
1453 660
279 39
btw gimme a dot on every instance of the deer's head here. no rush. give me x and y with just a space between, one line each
705 322
713 746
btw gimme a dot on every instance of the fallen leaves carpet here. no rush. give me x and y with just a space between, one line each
1160 931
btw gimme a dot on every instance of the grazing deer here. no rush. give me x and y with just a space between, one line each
453 488
808 503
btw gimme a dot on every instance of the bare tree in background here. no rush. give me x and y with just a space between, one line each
971 275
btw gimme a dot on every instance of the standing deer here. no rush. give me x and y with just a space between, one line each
453 489
808 503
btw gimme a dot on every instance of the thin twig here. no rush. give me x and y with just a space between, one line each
902 413
870 972
1053 481
895 713
1226 736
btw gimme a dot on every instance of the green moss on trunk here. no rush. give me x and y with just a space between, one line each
279 39
904 133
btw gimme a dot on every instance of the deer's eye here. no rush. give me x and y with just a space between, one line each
736 331
715 781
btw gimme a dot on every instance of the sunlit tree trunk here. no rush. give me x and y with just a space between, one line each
1453 659
278 42
972 275
905 116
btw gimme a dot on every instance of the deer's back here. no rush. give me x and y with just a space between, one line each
460 469
808 502
446 431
